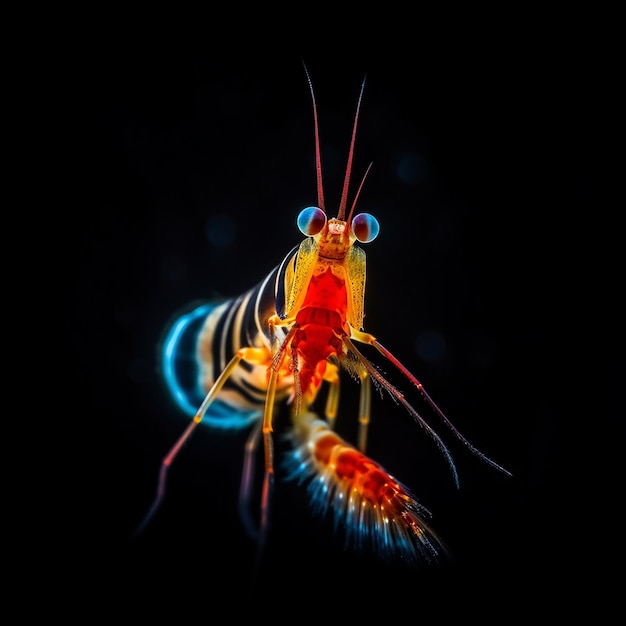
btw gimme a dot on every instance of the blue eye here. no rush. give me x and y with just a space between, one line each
365 227
311 220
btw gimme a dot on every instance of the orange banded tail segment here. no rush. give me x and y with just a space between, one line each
375 510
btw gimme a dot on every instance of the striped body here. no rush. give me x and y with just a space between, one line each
200 343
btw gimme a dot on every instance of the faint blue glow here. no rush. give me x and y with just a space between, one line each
220 230
170 348
219 414
412 168
431 345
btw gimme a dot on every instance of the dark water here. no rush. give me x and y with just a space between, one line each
190 173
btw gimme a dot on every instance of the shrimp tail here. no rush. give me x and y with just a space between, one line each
372 509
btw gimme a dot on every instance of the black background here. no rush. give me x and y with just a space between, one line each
481 245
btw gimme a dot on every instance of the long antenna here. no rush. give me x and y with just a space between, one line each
318 158
344 196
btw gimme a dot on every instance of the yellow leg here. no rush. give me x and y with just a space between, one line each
254 355
268 479
365 403
331 376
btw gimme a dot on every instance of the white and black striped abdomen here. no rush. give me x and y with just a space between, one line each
200 343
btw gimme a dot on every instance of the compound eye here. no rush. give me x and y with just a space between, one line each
311 221
365 227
